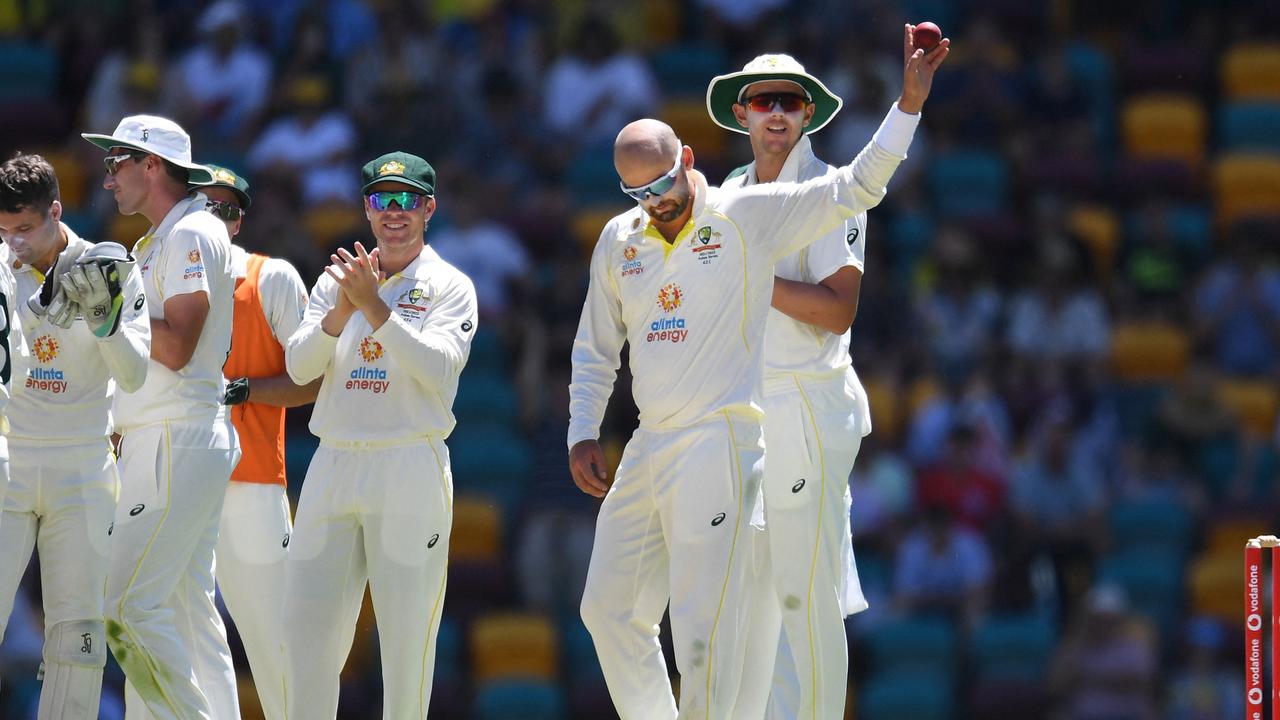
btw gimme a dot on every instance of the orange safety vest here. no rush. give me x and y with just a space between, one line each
255 352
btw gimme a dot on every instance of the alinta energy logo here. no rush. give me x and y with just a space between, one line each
370 379
669 328
48 379
630 265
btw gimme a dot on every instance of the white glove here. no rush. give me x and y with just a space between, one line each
50 297
95 283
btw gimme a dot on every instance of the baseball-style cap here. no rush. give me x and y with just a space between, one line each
725 90
156 136
222 177
399 167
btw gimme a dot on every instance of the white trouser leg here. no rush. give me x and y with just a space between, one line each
812 440
174 477
764 629
407 532
325 576
626 590
252 547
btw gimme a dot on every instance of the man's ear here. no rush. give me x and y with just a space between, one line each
55 211
740 114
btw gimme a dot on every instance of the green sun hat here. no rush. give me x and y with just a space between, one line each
725 90
222 177
399 167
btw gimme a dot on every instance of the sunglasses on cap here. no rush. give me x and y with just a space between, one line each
658 187
381 201
113 162
765 102
224 211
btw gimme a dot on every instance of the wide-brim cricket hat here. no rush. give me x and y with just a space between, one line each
157 136
725 90
223 177
399 167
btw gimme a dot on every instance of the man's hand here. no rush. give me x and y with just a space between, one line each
358 277
51 293
237 392
917 75
95 283
586 464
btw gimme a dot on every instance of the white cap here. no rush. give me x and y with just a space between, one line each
221 14
157 136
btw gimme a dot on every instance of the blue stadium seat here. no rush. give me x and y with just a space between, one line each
684 70
915 693
581 661
30 72
1153 581
591 177
487 353
966 183
449 665
485 396
492 458
1092 69
914 642
1153 524
1249 127
1013 647
524 699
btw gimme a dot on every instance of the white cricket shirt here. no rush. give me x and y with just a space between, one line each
188 252
694 311
72 375
397 383
13 348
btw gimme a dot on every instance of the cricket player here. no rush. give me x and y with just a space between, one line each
254 536
178 445
686 279
64 485
389 331
815 409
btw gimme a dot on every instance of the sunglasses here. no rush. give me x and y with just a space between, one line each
224 211
765 102
113 162
381 201
658 187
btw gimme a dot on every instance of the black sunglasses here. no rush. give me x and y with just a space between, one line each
224 211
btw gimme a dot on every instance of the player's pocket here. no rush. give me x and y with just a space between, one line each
145 475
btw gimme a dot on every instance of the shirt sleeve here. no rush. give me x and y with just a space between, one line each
597 349
127 352
284 297
182 263
310 349
785 217
840 248
434 356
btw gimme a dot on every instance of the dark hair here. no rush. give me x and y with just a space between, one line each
177 173
27 182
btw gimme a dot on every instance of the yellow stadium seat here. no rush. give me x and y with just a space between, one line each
1143 352
886 410
694 127
1246 185
588 222
127 229
1255 403
922 391
329 222
72 178
477 529
1100 229
1251 72
1227 537
510 645
1215 583
1165 127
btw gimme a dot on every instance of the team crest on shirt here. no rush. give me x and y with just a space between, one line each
630 265
369 379
193 255
413 304
370 350
50 379
196 268
670 327
705 245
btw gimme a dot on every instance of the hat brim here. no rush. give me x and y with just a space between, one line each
196 174
402 181
723 92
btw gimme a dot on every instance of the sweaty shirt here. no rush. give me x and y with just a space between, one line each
694 310
72 375
399 382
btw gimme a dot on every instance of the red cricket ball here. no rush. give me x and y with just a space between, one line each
927 36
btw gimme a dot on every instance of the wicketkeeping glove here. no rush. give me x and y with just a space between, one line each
50 298
96 283
237 392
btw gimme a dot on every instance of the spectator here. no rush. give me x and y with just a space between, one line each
313 142
1237 307
220 86
1107 665
1209 685
973 496
127 80
1060 316
960 311
883 490
942 568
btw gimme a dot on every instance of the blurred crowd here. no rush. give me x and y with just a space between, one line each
1069 323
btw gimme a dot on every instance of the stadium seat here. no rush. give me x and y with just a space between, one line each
1092 70
1004 700
126 229
684 70
580 657
693 126
1254 402
1153 582
918 694
30 72
913 642
1165 126
1246 186
514 646
524 699
886 409
1100 229
592 179
1013 648
1214 580
477 530
1251 72
1249 127
73 180
330 223
1149 352
487 353
486 396
965 183
1150 524
448 652
588 223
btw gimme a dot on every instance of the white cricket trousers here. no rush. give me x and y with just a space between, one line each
674 528
61 500
252 546
813 430
159 604
381 513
